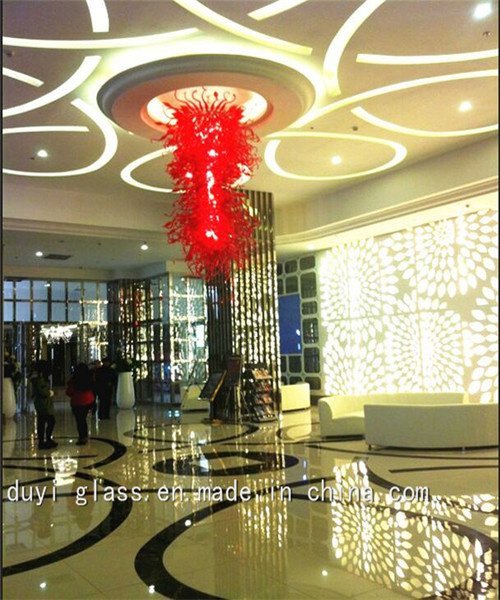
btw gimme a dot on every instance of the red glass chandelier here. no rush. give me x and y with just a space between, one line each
212 149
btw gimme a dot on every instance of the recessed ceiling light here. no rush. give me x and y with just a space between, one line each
482 10
39 253
144 246
42 153
336 160
465 106
310 246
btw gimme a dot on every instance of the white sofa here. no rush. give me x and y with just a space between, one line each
436 426
295 397
344 415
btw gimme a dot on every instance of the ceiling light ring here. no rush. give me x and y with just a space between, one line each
83 72
23 77
99 16
335 50
214 18
110 146
142 40
368 117
126 172
272 147
46 129
123 98
318 113
428 59
274 8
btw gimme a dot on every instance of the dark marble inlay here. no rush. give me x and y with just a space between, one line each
118 513
452 468
267 461
118 451
151 569
149 560
408 455
249 430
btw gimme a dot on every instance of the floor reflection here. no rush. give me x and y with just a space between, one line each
285 521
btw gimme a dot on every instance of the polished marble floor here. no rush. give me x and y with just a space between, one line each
160 504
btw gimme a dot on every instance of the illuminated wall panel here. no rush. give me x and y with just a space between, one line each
416 310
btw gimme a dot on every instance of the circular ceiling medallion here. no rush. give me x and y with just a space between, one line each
278 94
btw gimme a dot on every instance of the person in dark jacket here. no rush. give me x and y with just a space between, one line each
43 399
81 391
105 381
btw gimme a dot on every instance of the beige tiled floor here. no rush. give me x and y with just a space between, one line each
261 547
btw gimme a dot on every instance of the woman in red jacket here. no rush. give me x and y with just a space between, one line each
80 390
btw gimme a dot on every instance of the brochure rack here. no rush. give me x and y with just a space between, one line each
258 394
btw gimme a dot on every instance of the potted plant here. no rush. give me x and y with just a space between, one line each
123 364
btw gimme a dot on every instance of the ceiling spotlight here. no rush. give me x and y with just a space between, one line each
336 160
144 246
42 153
465 106
39 253
310 247
482 10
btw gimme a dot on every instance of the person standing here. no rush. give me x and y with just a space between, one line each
43 399
81 391
105 381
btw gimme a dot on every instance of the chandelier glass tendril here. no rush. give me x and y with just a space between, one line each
212 149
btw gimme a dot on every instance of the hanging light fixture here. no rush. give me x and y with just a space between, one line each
213 149
55 333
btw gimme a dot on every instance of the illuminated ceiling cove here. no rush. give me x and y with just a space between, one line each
345 90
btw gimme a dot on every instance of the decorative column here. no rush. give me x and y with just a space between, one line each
242 310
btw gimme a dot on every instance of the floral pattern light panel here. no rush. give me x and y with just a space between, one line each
416 310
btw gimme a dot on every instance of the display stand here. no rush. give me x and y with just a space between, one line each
210 391
258 394
229 394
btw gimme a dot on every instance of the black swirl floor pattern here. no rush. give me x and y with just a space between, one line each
183 509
